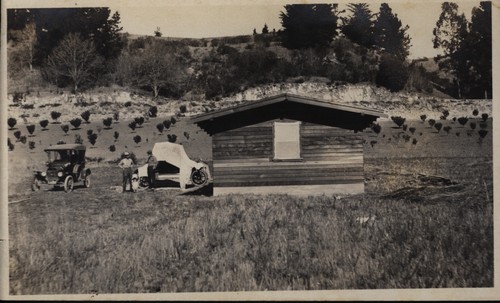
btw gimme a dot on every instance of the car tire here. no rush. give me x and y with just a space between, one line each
86 181
68 184
199 177
35 186
143 182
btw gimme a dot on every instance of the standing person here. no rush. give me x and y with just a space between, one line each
152 162
126 165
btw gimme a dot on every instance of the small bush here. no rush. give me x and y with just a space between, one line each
167 124
431 122
484 117
398 120
116 116
160 127
55 116
30 128
405 127
17 97
423 117
92 138
186 134
376 128
10 144
171 138
31 145
44 124
173 120
65 128
78 139
483 125
11 122
183 109
89 132
412 130
463 120
139 121
475 112
414 142
76 123
107 122
447 129
128 104
454 119
85 116
112 148
482 133
473 125
458 134
137 139
116 135
373 142
153 111
438 126
445 115
132 125
17 134
23 139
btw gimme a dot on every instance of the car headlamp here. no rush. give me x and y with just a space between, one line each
60 174
44 174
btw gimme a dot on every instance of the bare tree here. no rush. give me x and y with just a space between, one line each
74 58
155 67
30 41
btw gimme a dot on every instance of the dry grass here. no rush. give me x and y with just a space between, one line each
107 242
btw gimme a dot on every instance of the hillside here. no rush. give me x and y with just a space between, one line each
104 102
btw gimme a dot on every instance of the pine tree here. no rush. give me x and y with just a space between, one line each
389 33
452 36
480 31
308 25
359 26
265 29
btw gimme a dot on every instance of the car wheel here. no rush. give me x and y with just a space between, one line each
35 186
68 184
199 177
86 181
144 182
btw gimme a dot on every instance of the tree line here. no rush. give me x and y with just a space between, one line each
85 47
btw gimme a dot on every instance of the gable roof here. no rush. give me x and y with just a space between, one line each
288 106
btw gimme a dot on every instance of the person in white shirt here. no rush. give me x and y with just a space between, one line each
126 165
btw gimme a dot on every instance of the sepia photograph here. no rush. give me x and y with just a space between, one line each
248 150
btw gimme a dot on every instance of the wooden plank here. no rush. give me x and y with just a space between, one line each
332 146
285 182
247 129
245 137
309 175
286 169
272 165
252 161
286 173
277 165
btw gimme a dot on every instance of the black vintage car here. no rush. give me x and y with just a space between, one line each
65 166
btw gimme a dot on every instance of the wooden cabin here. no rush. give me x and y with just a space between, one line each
288 144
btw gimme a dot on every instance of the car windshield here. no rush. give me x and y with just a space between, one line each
59 155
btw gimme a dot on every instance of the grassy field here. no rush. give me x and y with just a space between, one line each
425 221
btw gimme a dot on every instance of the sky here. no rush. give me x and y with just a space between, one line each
205 20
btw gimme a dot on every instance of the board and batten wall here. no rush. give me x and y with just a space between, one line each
331 161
